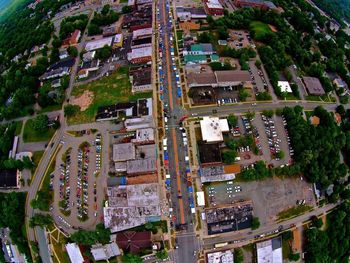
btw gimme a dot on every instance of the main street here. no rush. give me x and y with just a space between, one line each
49 152
186 239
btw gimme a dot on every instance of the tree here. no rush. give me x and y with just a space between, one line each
40 220
280 155
255 223
94 29
316 222
27 163
294 256
205 37
70 110
40 123
268 113
126 9
55 55
250 115
232 144
258 63
104 53
105 9
162 254
287 235
72 51
232 120
88 238
238 254
229 157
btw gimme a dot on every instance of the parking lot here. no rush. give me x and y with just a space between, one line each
269 196
77 176
259 80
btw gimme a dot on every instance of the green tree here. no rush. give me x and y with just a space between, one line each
105 9
70 110
72 51
238 254
255 223
104 53
40 123
40 220
229 157
268 113
294 256
280 155
126 9
94 29
258 63
232 120
162 254
287 235
27 163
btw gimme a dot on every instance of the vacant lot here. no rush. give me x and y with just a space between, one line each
31 135
259 29
107 91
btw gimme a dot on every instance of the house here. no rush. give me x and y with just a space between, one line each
105 252
74 253
140 55
134 242
339 83
313 86
269 251
9 178
56 83
284 86
261 4
56 73
72 39
212 129
213 7
63 54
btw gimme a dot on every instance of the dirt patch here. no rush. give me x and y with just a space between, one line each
84 100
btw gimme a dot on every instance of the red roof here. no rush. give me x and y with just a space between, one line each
134 241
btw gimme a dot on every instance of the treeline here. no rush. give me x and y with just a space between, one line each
332 244
106 17
338 9
318 148
12 210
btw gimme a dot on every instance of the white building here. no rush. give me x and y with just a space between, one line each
74 253
270 251
100 252
212 129
99 43
200 198
220 257
284 86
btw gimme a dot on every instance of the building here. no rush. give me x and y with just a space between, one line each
212 129
313 86
141 80
143 122
223 256
9 178
74 253
339 83
200 198
56 73
88 56
110 30
133 242
118 41
261 4
284 86
234 217
144 136
219 173
222 78
73 39
199 49
130 206
213 7
140 55
210 154
195 59
141 166
142 33
123 152
269 251
105 252
141 42
98 43
188 13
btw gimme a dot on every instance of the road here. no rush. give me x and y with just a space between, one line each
186 238
50 150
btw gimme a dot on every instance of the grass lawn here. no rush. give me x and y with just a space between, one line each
260 29
286 250
36 159
123 1
293 212
30 135
53 107
19 125
107 91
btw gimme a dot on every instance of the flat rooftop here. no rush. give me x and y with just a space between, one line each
123 152
270 251
225 256
212 129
